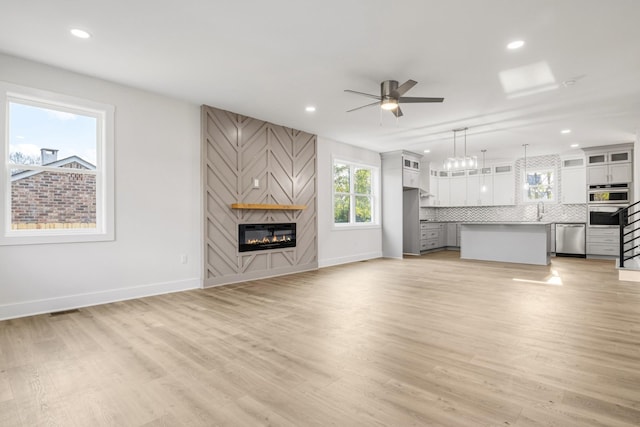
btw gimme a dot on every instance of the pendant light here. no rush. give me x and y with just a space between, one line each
526 178
460 163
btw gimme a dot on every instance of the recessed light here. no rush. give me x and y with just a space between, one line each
310 109
427 151
565 131
81 34
516 44
575 145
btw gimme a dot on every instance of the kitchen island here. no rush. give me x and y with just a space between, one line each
519 242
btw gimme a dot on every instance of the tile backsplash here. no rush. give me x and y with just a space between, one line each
552 213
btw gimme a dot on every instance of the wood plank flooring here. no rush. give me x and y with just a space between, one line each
430 340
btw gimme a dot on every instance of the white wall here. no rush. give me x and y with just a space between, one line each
341 246
157 218
392 205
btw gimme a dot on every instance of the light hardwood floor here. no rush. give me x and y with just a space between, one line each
429 340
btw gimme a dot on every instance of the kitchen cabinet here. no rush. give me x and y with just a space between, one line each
504 185
573 181
425 191
603 241
486 186
616 173
609 156
610 165
433 188
473 188
457 188
443 189
410 171
431 236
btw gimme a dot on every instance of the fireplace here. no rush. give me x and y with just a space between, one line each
260 237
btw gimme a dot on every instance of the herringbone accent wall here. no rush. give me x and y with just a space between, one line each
236 151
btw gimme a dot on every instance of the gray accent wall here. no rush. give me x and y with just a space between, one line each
236 151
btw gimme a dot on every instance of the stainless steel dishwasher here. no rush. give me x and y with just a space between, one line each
570 240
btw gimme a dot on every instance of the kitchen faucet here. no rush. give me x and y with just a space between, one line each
540 208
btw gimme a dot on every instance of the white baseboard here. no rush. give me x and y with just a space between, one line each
347 259
34 307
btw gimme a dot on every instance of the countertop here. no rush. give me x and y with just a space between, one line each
495 222
506 223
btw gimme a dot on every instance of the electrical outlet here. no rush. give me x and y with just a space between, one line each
256 183
184 259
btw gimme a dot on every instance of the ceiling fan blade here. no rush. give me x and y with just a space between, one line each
363 94
397 111
364 106
414 99
404 87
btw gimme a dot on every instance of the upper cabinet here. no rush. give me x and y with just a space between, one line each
504 185
488 186
604 157
609 165
410 170
458 188
573 180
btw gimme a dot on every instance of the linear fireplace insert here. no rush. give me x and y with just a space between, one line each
260 237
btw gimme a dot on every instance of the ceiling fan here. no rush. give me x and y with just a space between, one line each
391 96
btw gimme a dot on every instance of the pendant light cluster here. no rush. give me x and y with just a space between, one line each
460 163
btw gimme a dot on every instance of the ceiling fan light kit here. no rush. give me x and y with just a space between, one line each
389 104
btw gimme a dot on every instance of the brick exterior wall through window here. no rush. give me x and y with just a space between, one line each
53 200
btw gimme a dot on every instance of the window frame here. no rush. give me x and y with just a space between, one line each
554 185
104 171
375 195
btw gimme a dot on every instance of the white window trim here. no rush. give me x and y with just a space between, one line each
375 194
554 187
105 212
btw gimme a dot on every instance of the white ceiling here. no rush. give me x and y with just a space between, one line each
270 59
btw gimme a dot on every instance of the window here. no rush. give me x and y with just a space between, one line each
355 190
539 186
57 182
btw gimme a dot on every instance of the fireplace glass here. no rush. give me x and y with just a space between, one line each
260 237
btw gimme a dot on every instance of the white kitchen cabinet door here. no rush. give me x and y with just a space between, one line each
443 191
433 188
621 156
615 173
574 185
620 172
458 190
597 159
598 174
486 186
410 178
473 190
504 188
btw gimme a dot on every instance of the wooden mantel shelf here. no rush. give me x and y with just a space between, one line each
267 206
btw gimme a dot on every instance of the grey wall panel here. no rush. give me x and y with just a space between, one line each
236 151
